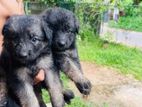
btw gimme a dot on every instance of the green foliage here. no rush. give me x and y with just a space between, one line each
123 3
55 2
133 11
132 19
45 96
85 32
65 80
127 60
78 102
89 14
128 23
128 6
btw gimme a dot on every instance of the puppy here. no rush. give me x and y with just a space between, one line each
65 27
27 48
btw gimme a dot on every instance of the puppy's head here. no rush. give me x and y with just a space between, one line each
65 26
26 37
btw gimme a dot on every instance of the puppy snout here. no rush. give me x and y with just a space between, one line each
22 50
23 54
61 43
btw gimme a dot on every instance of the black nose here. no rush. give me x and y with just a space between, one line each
61 43
23 55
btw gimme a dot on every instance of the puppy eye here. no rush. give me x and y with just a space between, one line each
34 39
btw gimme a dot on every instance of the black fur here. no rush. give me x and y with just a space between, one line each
65 27
3 88
26 48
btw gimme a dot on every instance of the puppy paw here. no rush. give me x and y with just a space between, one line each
3 94
68 95
3 100
84 86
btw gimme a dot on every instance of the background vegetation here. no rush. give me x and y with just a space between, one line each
128 23
132 16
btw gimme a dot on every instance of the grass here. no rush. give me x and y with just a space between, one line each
74 103
78 102
125 59
128 23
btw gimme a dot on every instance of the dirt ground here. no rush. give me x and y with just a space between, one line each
111 87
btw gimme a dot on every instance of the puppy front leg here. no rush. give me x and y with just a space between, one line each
72 68
38 92
24 93
52 81
22 88
54 87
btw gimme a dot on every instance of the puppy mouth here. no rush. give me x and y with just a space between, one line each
57 48
61 48
24 60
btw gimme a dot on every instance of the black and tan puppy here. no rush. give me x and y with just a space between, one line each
26 48
65 27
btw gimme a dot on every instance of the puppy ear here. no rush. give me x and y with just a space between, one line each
5 30
47 31
77 26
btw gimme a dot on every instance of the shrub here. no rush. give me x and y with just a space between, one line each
128 23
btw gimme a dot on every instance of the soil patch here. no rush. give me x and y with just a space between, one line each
111 87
